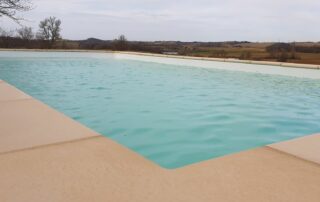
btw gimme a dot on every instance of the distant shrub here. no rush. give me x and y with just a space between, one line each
282 51
308 49
279 47
218 53
283 56
245 55
121 43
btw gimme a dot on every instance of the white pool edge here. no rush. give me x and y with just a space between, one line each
300 71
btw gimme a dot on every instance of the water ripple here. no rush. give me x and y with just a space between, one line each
173 115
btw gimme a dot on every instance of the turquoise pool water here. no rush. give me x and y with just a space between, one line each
172 115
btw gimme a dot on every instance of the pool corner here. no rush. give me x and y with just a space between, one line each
98 169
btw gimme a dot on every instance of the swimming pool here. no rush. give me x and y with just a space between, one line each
174 115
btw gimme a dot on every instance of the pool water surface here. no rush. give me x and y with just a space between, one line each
173 115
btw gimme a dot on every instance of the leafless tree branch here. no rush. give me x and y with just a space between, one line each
10 8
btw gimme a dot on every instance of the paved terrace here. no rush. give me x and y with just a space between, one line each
46 156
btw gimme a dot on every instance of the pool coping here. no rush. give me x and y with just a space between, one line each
228 60
297 153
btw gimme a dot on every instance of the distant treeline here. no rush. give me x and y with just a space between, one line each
293 47
308 49
284 51
244 50
88 44
154 47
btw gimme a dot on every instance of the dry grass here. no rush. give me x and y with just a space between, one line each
256 52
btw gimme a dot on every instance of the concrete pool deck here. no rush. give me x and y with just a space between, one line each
46 156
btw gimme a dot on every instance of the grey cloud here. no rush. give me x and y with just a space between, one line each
201 20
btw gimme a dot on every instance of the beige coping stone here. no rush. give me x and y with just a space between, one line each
98 169
262 174
232 60
30 123
8 92
307 147
296 65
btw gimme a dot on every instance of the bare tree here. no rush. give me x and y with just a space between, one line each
6 34
49 30
5 38
121 43
25 33
10 8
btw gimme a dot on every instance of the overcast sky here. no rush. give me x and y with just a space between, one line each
184 20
